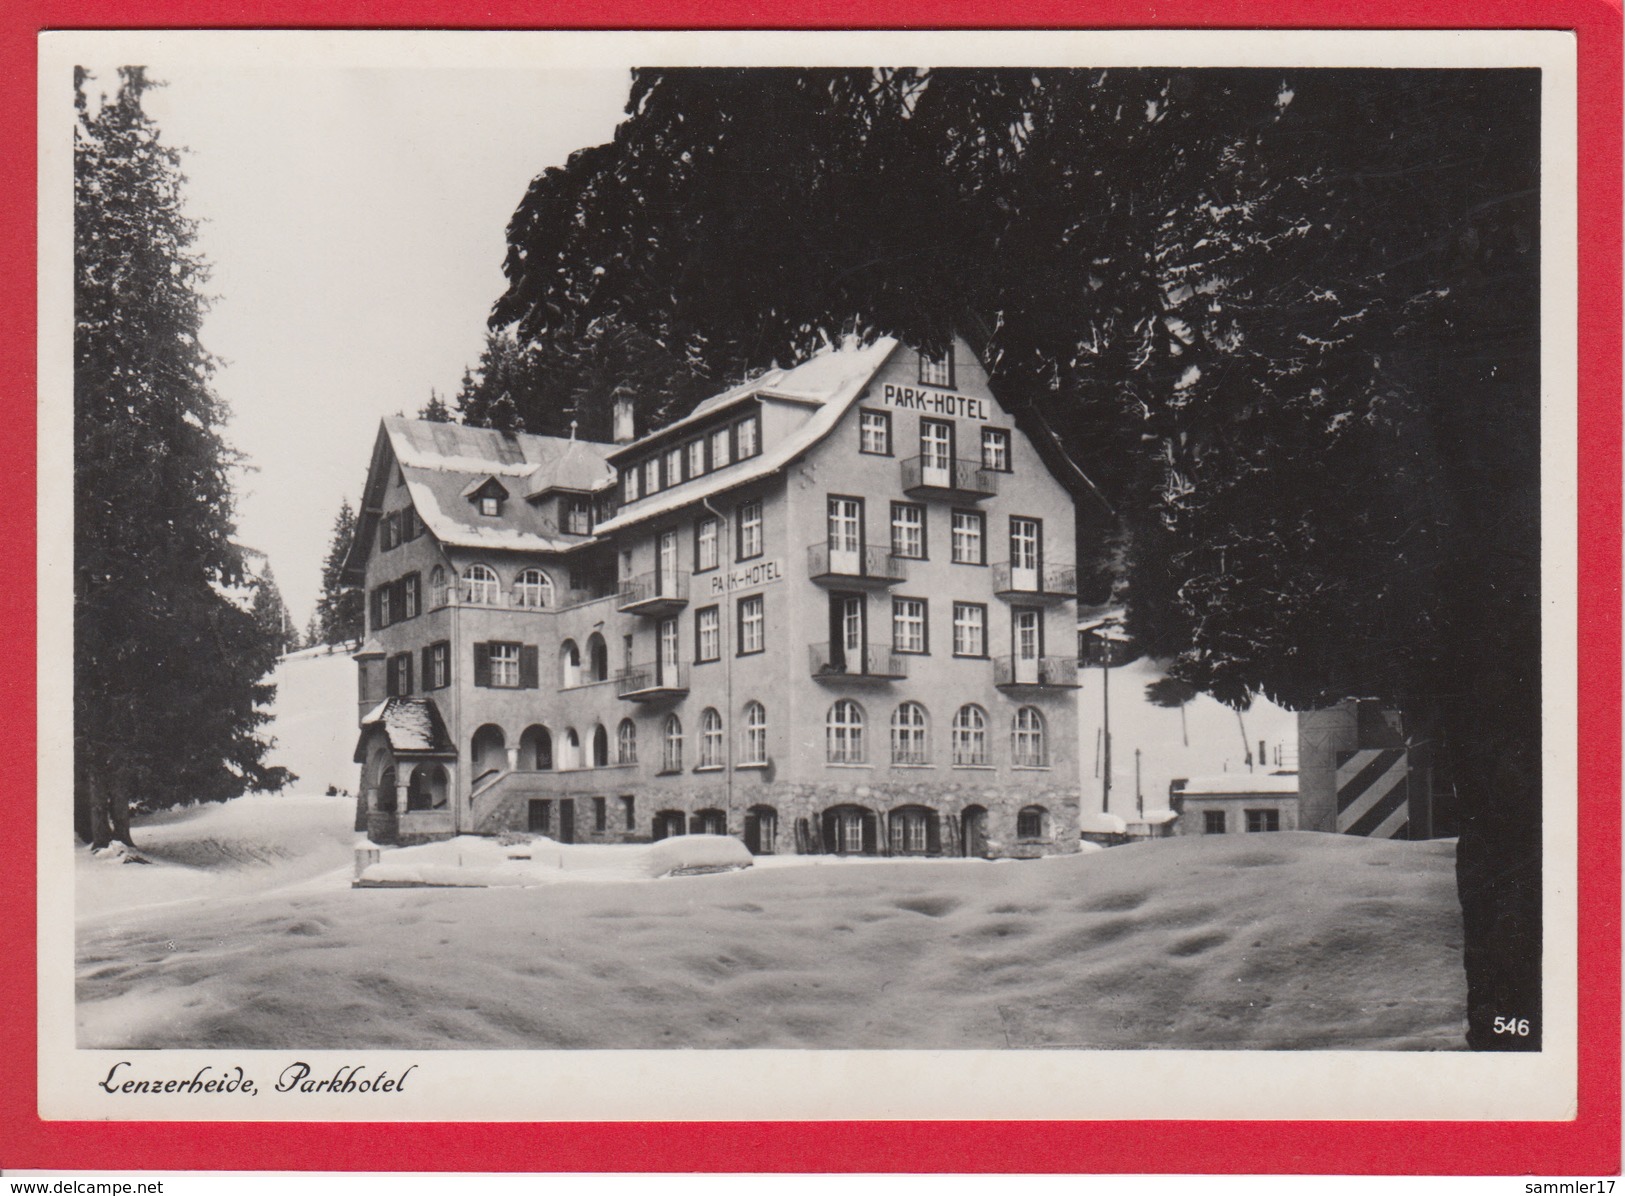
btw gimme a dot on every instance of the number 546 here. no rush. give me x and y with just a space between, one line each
1512 1025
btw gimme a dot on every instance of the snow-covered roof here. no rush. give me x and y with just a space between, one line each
410 725
1156 817
827 383
444 464
1094 822
1229 783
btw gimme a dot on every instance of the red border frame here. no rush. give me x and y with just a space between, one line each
1588 1145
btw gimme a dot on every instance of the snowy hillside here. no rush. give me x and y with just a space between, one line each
245 934
314 719
1204 738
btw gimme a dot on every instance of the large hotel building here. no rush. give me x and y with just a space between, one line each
831 610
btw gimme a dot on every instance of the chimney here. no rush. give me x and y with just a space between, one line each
625 420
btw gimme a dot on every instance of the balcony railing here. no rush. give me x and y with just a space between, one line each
653 593
1052 583
1035 672
651 682
874 663
958 479
874 566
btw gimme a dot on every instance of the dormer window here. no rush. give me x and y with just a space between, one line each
487 496
937 371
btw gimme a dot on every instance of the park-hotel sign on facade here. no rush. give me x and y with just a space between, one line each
831 610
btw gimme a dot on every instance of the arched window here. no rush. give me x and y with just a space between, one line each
843 733
569 665
1027 739
970 735
710 739
427 790
753 749
597 658
437 587
600 747
914 830
533 589
489 750
480 586
570 754
709 822
908 734
626 742
1032 823
672 758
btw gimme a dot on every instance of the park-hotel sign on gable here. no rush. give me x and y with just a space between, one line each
937 402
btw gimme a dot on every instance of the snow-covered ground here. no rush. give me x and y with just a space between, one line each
245 932
314 719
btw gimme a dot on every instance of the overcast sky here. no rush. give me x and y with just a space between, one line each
355 219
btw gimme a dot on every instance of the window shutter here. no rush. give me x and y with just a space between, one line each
482 665
933 834
528 673
397 599
378 608
428 667
406 671
870 834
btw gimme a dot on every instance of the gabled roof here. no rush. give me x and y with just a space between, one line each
445 464
828 383
412 726
480 487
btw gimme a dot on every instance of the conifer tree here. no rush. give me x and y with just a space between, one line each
435 410
169 668
271 612
341 609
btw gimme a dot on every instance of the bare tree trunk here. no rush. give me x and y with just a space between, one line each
118 809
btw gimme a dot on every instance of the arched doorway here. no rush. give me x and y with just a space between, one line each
597 658
536 749
489 751
569 665
386 791
428 788
668 824
850 830
570 750
709 822
914 830
973 832
762 830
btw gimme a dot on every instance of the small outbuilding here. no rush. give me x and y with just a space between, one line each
1235 803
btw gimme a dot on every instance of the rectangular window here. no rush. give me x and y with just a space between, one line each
490 505
705 544
707 634
970 539
651 476
540 816
752 633
1213 822
908 625
437 671
908 530
750 529
578 516
996 449
600 814
629 484
720 455
411 525
412 593
400 675
505 666
1263 820
695 451
747 436
970 629
386 616
874 432
674 466
937 371
1026 536
629 807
